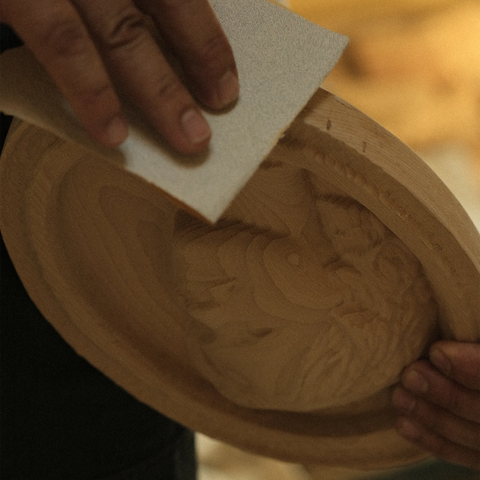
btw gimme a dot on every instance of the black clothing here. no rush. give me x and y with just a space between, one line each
61 419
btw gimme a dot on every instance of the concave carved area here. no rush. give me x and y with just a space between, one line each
304 298
281 328
298 299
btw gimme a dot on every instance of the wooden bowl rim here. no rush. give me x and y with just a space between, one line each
262 432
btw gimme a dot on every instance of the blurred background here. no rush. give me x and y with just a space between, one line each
414 67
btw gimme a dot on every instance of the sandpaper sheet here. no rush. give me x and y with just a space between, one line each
281 59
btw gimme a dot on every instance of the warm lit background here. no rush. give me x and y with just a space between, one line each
414 67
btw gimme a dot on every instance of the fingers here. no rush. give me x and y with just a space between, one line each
438 445
139 68
56 35
459 361
195 35
437 420
440 404
426 382
92 48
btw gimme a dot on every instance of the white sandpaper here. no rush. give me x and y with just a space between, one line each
281 59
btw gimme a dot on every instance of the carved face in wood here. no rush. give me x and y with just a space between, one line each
303 294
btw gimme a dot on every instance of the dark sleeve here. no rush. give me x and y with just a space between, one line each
8 38
60 417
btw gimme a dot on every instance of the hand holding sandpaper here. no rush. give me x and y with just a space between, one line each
94 49
281 60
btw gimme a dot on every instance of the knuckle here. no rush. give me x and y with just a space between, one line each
126 29
65 36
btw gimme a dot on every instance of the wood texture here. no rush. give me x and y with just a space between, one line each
300 294
281 328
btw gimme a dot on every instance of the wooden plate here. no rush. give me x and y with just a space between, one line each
230 329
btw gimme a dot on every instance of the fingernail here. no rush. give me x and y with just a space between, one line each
415 382
228 88
195 126
116 131
403 401
408 429
441 361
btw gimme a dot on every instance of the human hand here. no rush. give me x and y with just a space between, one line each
92 49
439 403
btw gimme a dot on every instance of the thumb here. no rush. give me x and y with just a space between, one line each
459 361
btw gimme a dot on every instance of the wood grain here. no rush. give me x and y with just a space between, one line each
281 328
309 300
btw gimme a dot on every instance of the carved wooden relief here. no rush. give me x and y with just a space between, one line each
281 328
304 299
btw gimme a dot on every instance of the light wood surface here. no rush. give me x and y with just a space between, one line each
281 328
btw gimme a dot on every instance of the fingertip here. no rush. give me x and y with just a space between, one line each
456 352
189 136
195 127
228 89
459 361
115 132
